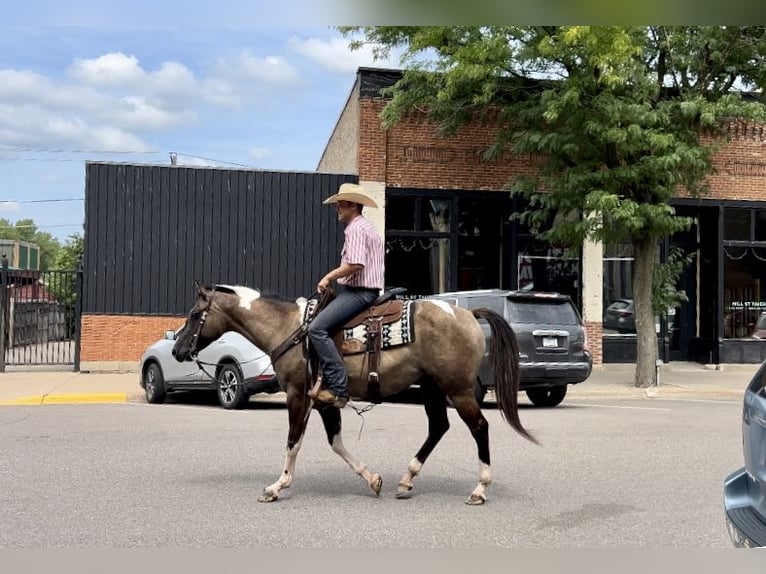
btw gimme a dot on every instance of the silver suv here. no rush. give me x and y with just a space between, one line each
553 344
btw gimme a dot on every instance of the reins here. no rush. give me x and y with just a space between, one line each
295 338
300 333
195 341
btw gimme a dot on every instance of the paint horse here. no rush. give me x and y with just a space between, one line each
443 356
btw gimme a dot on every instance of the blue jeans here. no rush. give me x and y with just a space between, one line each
347 303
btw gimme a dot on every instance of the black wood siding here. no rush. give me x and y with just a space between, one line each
150 231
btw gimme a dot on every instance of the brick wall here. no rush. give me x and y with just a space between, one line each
121 337
411 154
595 332
740 165
372 141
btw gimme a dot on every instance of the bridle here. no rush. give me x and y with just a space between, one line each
193 352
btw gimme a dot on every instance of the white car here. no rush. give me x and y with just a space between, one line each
231 365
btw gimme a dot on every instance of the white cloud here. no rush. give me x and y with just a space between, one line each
271 70
220 92
109 102
26 87
334 55
35 126
259 152
9 206
103 104
115 69
111 138
235 80
137 113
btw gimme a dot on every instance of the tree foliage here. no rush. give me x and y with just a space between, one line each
622 118
70 255
63 281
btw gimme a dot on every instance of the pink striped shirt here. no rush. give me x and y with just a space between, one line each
363 246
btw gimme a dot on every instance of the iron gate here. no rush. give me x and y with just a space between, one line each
40 317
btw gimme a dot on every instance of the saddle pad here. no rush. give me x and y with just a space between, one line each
399 332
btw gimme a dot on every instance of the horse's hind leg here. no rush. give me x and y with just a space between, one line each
435 404
469 410
332 426
298 409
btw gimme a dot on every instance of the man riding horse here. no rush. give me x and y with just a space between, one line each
360 281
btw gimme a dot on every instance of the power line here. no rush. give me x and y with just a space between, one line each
62 150
14 149
41 200
40 226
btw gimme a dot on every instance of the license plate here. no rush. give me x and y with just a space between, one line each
550 342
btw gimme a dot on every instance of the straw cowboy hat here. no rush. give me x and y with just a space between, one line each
353 193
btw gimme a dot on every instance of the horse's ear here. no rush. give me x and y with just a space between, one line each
199 287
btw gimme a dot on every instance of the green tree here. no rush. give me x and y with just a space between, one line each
62 282
623 119
26 230
71 253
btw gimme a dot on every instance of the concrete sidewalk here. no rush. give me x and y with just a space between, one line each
677 380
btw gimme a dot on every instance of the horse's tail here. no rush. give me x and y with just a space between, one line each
504 364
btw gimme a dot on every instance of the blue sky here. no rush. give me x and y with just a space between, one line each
80 83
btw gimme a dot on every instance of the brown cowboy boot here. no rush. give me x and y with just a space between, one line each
320 395
328 398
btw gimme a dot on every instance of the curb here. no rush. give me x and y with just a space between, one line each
74 398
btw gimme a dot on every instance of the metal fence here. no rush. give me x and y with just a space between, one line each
40 317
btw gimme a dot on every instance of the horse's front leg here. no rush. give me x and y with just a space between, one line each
299 409
332 426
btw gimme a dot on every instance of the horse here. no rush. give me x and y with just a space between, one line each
443 356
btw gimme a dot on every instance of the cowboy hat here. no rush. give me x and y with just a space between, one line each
353 193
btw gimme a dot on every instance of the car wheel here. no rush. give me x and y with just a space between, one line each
479 391
547 396
231 388
154 384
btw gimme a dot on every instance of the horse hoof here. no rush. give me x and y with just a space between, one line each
476 500
404 492
376 484
268 496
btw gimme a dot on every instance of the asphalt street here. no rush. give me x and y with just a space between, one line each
609 474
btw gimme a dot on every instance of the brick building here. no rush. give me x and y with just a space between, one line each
446 219
446 223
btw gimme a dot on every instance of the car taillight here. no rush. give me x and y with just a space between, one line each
585 344
624 313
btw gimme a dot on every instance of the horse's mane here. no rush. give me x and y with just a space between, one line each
278 301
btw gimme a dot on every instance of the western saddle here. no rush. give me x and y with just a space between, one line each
383 310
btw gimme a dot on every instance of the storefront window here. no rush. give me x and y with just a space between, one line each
744 295
481 243
760 225
736 224
548 269
417 251
400 213
421 265
619 313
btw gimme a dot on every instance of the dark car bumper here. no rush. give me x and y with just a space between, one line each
554 373
742 502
